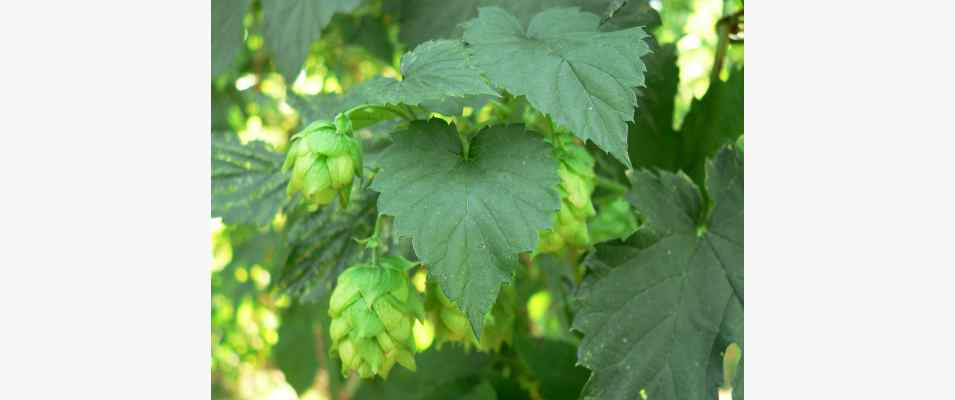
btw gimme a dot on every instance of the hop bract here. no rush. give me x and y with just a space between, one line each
451 324
373 310
577 179
324 158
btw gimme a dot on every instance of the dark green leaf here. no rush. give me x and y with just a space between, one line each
296 353
582 77
440 375
738 382
292 25
714 367
302 349
509 389
652 321
483 391
469 219
227 40
248 185
553 363
653 141
712 122
434 71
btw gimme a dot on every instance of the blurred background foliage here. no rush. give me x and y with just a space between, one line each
273 265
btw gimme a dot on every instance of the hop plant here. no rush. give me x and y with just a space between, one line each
373 309
576 171
451 325
324 158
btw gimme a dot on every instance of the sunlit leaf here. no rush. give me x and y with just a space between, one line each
469 219
582 77
433 71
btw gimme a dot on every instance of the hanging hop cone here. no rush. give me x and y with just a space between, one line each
451 325
373 309
576 171
323 158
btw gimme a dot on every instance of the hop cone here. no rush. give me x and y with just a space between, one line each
373 309
451 325
577 178
324 158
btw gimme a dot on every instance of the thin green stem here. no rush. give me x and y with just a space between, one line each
372 243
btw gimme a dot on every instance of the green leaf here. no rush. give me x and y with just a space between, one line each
455 105
712 122
469 219
483 391
450 372
653 319
553 363
738 382
296 353
714 368
558 277
653 141
321 245
370 33
227 40
292 25
423 20
567 68
322 106
248 185
508 388
434 71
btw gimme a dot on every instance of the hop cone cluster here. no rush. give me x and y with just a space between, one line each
577 178
451 324
324 158
614 220
373 309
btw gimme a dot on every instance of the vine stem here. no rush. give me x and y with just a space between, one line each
371 243
723 28
611 185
